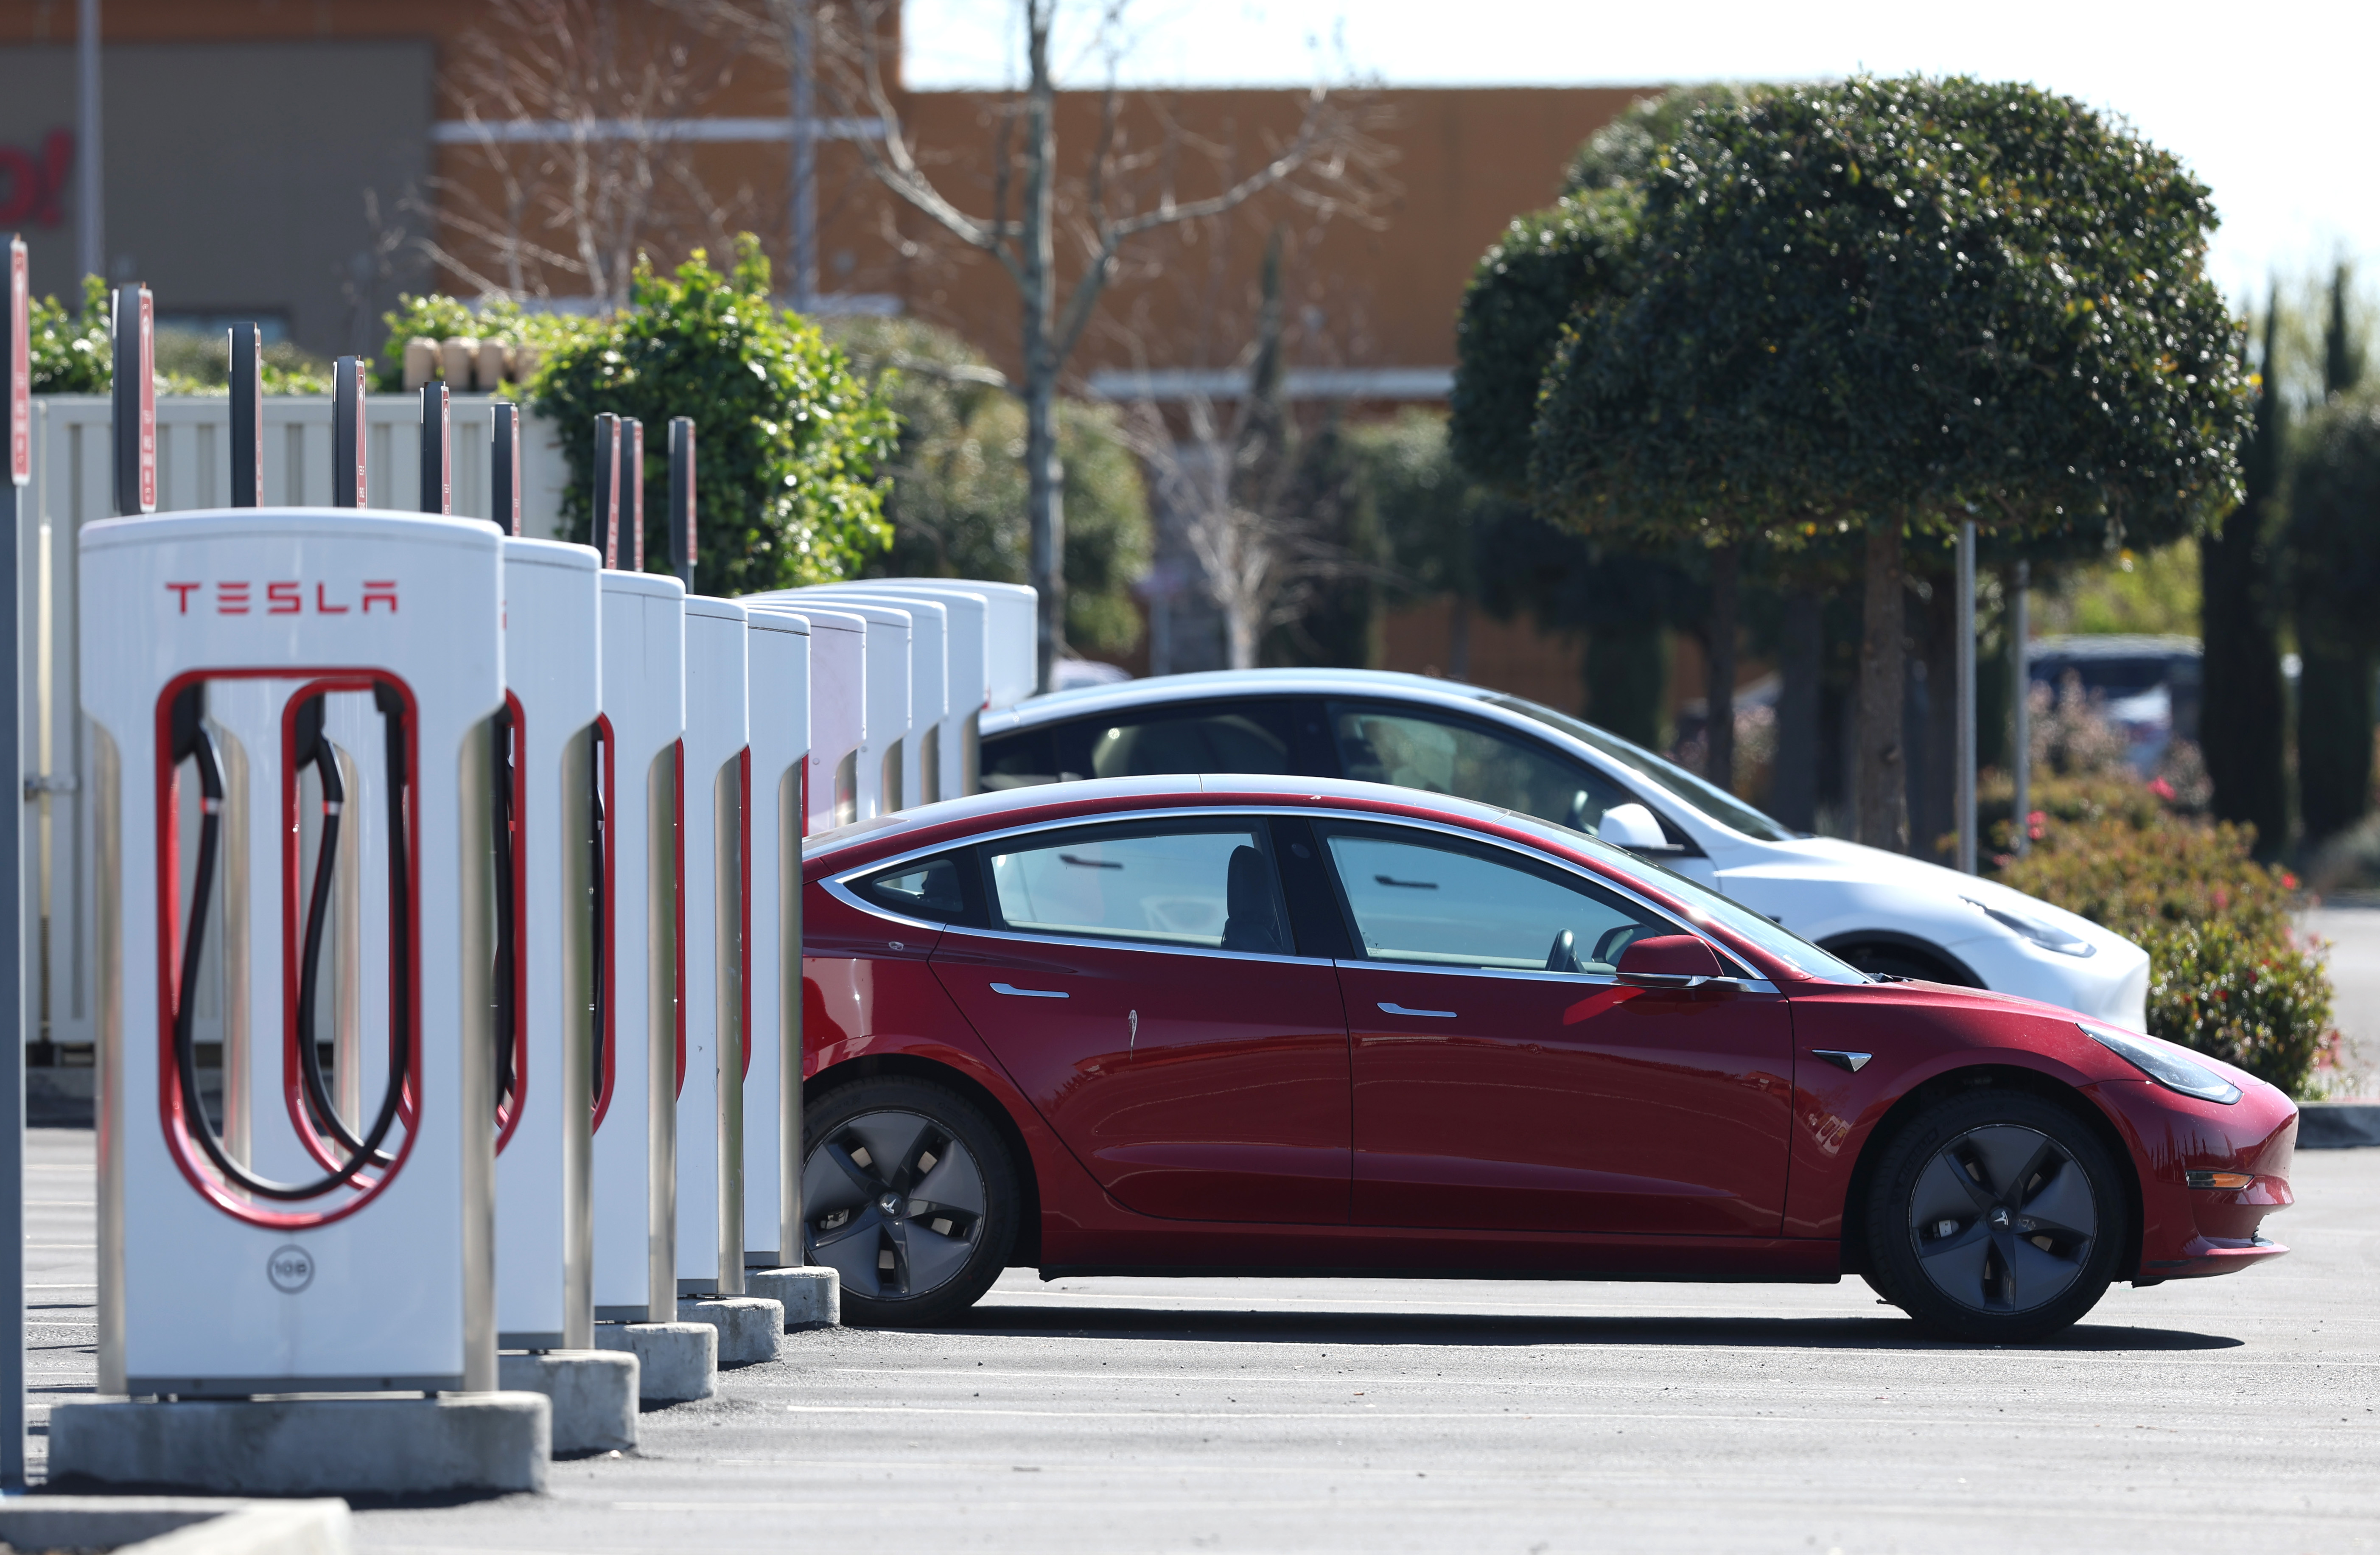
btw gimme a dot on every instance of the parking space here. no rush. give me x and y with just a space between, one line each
1120 1415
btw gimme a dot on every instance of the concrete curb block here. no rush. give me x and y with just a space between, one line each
593 1393
2337 1125
811 1297
676 1363
748 1326
490 1443
177 1526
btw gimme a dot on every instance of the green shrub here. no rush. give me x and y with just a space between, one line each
2227 973
438 317
789 441
73 354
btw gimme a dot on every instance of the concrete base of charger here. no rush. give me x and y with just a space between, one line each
675 1362
494 1443
181 1524
593 1392
811 1297
748 1326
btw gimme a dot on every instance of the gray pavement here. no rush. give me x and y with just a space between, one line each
1128 1415
2353 936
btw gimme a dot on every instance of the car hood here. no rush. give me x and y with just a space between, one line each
1886 876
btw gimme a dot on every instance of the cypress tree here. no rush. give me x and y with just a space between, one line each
2334 545
2241 718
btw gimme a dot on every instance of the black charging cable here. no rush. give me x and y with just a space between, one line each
192 743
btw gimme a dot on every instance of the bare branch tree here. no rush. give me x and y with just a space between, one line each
1121 193
574 172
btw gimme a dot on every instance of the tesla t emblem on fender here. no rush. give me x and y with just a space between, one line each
1401 1010
1852 1062
1016 992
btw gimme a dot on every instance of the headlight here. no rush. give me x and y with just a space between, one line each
2164 1063
2034 930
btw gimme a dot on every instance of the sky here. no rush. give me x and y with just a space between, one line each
2271 105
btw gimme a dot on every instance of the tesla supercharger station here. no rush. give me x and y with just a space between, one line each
638 939
310 1256
544 953
1010 675
778 650
921 765
967 646
717 878
838 714
884 723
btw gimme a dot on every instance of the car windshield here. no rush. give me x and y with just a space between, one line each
1705 905
1712 800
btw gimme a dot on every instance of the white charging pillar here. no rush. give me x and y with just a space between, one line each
966 685
356 1273
552 654
639 947
886 729
717 874
922 770
838 716
1010 675
778 648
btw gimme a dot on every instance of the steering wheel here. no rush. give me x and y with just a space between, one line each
1563 957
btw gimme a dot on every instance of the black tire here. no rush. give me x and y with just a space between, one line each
908 1191
1997 1218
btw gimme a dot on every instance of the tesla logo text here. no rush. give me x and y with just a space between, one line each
31 179
285 598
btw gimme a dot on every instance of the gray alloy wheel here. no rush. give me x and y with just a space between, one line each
1996 1215
909 1196
2003 1221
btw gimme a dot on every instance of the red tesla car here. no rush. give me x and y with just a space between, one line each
1281 1027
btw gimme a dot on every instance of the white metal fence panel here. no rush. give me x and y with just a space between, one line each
74 485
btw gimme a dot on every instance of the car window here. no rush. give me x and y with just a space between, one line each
1204 883
1237 736
1020 760
925 888
1412 749
1417 896
1714 801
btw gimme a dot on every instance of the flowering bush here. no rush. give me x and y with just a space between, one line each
2227 975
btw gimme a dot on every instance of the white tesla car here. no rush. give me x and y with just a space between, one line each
1881 912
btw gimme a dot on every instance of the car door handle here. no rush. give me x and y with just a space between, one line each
1401 1010
1016 992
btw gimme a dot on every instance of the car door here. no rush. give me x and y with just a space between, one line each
1416 746
1139 981
1505 1079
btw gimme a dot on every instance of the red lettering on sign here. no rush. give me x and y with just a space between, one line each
182 596
231 598
30 187
323 606
285 598
382 592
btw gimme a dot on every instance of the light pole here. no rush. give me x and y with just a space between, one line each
801 53
91 231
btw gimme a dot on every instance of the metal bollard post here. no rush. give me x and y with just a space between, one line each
247 416
681 499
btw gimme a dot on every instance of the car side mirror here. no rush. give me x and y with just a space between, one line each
1632 826
1669 961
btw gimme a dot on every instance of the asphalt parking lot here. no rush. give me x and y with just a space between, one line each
1125 1415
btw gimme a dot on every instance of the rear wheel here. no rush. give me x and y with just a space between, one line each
1997 1218
908 1193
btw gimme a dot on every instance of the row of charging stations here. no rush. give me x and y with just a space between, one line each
494 846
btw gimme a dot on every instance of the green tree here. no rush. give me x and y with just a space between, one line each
789 441
958 497
1888 304
2334 545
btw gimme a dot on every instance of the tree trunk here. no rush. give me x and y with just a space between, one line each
1935 816
1627 680
1880 795
1045 491
1719 726
1793 791
1458 639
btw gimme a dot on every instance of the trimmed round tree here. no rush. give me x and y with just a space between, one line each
789 441
1881 306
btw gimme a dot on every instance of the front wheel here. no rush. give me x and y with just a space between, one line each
908 1193
1998 1218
